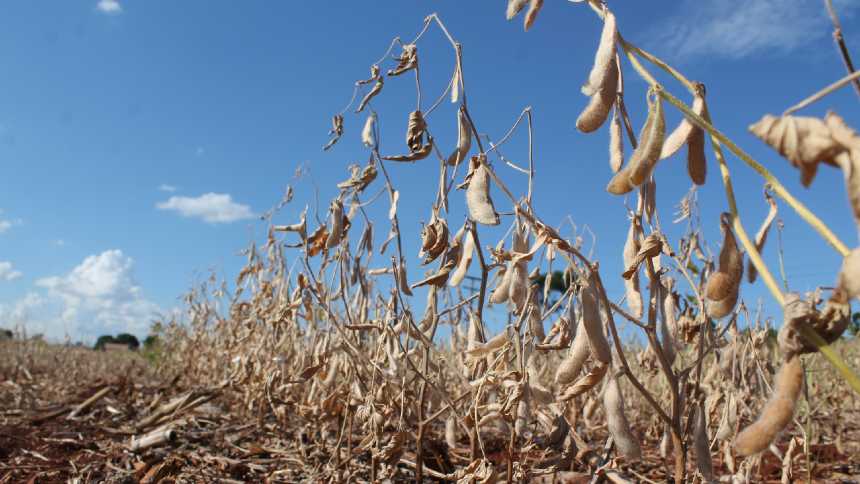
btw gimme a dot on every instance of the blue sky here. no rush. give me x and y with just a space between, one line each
143 139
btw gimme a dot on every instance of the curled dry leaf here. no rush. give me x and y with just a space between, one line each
441 276
415 131
532 13
761 235
829 323
360 178
422 153
478 199
464 138
317 240
723 287
651 247
367 136
804 141
586 383
849 275
374 75
777 412
616 141
407 61
434 240
376 89
619 427
631 283
335 132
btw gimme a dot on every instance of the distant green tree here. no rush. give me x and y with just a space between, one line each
129 339
103 339
150 341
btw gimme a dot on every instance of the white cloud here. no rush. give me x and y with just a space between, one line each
59 243
109 6
167 188
200 151
7 272
99 296
736 29
5 225
211 207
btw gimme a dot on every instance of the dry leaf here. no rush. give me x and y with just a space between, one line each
376 89
335 132
531 13
455 84
514 7
804 141
407 61
367 136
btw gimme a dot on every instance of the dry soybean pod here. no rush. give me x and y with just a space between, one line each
465 260
604 56
571 366
616 141
721 291
651 139
777 412
631 285
619 427
478 199
464 138
593 323
701 445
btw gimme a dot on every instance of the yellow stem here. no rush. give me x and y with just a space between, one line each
776 186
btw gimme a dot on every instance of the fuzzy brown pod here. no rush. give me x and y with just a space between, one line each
593 323
360 178
603 57
571 366
532 13
586 383
595 113
693 136
616 141
616 419
451 431
502 290
464 138
776 413
631 284
804 141
701 445
336 221
518 269
335 132
376 89
514 8
466 253
761 235
645 156
407 61
830 322
849 275
367 136
402 281
434 240
723 287
478 199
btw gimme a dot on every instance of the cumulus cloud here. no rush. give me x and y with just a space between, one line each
166 188
5 225
7 272
109 6
99 296
213 208
735 29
